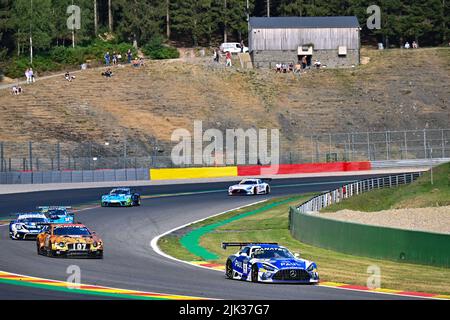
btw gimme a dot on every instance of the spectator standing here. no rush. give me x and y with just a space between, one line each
228 59
27 75
114 58
407 46
129 55
31 74
107 58
242 46
414 45
304 62
217 55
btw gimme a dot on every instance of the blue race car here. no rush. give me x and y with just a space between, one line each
27 226
121 197
268 262
58 214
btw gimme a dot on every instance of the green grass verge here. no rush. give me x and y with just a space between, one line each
272 226
420 194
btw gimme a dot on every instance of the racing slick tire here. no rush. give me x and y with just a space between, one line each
254 275
267 191
39 251
51 253
229 269
255 191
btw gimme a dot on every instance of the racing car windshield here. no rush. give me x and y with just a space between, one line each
248 182
32 220
57 212
272 253
71 231
119 191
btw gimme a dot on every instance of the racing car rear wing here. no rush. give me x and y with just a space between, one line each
243 244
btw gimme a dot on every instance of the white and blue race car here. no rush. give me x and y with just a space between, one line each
121 197
249 187
27 226
268 262
58 214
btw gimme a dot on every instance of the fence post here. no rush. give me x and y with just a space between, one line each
58 157
424 144
387 145
30 151
406 146
1 157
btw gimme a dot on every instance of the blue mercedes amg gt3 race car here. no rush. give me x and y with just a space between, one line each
121 197
27 226
268 262
58 214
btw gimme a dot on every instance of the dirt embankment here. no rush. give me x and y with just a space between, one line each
396 89
434 219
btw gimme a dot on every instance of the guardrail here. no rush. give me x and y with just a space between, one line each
335 196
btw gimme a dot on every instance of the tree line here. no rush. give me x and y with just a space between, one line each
204 22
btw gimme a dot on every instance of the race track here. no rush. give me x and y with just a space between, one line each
130 262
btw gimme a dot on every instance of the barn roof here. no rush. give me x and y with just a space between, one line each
303 22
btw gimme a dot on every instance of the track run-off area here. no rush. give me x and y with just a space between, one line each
130 263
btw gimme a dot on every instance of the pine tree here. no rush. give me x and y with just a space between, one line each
140 20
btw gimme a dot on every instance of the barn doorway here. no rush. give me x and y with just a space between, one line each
305 61
304 55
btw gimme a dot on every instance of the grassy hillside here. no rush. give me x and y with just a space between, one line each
419 194
395 89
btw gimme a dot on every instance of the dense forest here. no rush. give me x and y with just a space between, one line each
203 22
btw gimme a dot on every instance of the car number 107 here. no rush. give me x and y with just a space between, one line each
79 246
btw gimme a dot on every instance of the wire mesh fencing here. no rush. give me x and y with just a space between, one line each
355 146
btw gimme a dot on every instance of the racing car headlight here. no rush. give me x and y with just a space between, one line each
95 244
61 244
311 268
268 267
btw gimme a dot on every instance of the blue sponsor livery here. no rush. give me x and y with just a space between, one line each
268 262
58 214
121 197
27 226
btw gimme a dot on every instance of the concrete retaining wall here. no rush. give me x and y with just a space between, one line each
74 176
330 58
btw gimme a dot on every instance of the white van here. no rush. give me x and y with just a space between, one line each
233 47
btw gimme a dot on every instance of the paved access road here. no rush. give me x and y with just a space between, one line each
129 261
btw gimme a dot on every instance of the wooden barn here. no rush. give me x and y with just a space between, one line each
334 41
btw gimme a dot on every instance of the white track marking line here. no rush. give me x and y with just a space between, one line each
154 241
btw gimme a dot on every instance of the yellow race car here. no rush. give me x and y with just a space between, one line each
69 240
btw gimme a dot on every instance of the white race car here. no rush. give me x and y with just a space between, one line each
249 187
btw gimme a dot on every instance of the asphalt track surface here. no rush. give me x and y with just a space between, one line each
129 261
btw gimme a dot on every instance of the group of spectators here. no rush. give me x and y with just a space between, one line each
116 58
297 68
29 74
216 57
414 45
